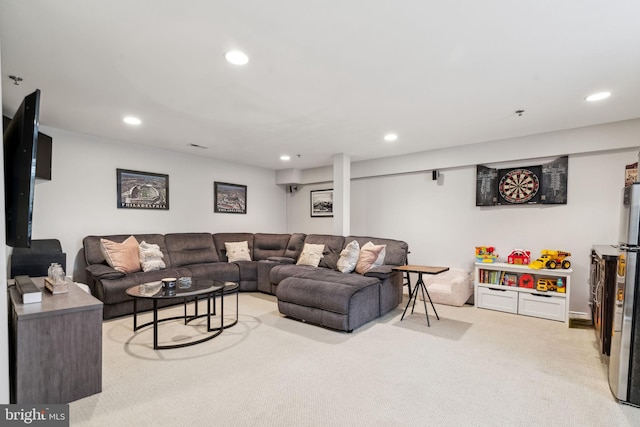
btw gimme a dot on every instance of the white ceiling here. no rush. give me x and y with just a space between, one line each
324 76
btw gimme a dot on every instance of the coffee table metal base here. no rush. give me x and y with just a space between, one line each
230 289
214 331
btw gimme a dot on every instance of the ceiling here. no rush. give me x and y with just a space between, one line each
324 77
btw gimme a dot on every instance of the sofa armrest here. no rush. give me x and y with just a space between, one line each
381 272
103 271
282 259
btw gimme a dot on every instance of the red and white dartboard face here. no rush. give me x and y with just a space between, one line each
519 186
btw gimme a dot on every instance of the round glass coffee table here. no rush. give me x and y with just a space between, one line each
155 292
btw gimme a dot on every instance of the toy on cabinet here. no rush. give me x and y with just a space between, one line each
561 287
519 256
552 259
526 281
486 254
553 285
509 280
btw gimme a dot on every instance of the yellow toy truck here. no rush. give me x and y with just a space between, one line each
552 259
551 285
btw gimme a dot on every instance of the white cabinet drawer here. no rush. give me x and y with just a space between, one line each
544 306
498 299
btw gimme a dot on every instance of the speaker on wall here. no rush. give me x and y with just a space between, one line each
434 175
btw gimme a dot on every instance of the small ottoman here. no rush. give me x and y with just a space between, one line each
453 287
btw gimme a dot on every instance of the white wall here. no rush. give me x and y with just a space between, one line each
80 199
299 218
442 225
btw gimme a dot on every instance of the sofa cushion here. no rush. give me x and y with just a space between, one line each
349 257
191 248
333 247
222 271
280 272
267 245
123 256
237 251
295 245
324 295
311 255
368 257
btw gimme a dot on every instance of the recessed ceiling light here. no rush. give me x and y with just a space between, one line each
390 137
130 120
598 96
284 157
236 57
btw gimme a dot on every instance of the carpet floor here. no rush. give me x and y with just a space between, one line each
472 367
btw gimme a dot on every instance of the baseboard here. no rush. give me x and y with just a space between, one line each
579 319
579 315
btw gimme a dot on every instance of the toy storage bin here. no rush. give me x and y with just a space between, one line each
544 306
498 299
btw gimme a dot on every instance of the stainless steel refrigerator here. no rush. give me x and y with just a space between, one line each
624 363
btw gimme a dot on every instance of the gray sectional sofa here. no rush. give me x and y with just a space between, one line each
321 295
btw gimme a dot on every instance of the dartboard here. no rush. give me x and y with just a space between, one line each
519 185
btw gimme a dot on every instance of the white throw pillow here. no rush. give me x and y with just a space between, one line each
349 257
311 255
150 257
380 260
238 251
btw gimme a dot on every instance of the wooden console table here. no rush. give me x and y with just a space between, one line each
55 346
420 286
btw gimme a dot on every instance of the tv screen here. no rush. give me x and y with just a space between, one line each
20 148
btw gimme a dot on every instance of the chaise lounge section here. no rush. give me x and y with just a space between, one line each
320 294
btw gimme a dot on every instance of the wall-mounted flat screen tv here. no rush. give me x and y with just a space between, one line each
20 149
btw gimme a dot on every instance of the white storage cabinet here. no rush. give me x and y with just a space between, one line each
491 293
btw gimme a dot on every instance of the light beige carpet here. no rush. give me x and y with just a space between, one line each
473 367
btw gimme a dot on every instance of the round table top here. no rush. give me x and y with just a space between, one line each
154 290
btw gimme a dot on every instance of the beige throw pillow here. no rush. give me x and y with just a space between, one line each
368 257
237 251
150 257
311 255
349 257
123 256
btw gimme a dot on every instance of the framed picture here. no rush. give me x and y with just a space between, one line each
229 198
322 203
142 190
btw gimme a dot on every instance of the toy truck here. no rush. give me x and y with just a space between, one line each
552 285
552 259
